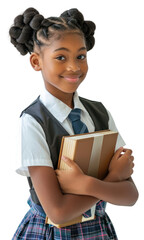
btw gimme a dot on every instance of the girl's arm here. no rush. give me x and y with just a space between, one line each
117 188
59 207
118 193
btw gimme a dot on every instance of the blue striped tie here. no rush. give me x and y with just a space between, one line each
78 128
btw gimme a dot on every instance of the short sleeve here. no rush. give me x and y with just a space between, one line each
34 148
112 126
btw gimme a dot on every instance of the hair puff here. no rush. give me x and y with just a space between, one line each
22 31
74 17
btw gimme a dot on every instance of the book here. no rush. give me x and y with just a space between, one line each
93 153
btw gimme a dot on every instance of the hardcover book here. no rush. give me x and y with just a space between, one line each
93 153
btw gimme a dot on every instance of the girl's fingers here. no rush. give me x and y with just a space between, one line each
118 152
127 151
68 161
131 158
133 165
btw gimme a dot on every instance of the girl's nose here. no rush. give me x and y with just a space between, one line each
73 66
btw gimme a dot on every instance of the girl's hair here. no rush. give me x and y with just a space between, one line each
31 28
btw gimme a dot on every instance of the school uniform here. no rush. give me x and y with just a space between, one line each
43 124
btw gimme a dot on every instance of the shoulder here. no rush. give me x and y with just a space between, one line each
38 112
32 108
30 126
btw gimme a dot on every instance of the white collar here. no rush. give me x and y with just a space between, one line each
59 109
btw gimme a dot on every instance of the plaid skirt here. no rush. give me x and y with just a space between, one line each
33 227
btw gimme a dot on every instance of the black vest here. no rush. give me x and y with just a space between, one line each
54 131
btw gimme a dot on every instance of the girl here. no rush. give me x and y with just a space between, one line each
58 48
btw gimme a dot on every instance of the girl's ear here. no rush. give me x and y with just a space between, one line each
35 61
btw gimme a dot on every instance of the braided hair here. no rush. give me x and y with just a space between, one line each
31 28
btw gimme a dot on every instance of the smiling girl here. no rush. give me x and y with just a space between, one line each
58 48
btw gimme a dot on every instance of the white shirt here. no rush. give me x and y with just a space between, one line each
34 148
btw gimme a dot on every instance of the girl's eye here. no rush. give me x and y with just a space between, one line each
81 57
60 58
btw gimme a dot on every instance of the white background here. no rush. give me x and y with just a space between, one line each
115 77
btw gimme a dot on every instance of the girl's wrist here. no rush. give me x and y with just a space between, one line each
88 185
112 177
85 185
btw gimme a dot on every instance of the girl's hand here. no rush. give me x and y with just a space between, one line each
70 180
121 165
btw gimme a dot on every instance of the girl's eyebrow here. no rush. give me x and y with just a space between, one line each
66 49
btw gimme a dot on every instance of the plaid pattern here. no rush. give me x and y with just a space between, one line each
33 227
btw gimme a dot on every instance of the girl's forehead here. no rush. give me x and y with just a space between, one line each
68 39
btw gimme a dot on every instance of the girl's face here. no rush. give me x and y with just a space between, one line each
63 64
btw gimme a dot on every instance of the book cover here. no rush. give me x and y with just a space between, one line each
93 153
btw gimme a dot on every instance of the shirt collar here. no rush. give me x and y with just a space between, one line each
59 109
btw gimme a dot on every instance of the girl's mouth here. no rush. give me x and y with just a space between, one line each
72 78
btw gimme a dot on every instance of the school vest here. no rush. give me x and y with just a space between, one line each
54 131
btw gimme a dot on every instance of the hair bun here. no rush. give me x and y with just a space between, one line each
75 17
23 28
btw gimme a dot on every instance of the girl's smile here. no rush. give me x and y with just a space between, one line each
73 78
63 64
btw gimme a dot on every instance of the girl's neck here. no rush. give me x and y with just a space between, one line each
66 98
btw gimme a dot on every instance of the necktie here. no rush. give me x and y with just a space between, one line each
78 128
